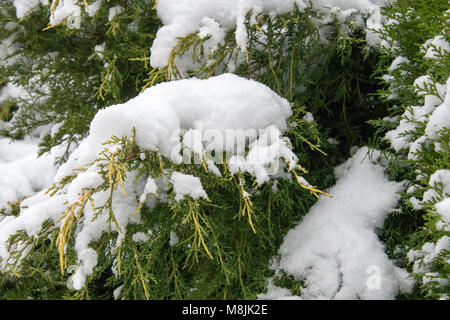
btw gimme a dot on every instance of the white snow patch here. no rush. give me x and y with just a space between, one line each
276 293
140 237
335 247
435 46
22 173
25 7
187 185
440 118
114 11
173 239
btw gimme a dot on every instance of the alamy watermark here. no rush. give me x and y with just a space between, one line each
259 147
374 280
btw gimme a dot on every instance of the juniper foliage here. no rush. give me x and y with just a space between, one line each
412 227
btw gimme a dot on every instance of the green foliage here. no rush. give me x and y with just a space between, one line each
68 77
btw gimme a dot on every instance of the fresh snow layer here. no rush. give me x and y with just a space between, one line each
215 18
160 114
335 248
24 7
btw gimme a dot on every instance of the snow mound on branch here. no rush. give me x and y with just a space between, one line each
25 7
335 248
159 115
162 112
215 18
185 184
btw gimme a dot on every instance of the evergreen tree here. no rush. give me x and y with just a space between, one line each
118 222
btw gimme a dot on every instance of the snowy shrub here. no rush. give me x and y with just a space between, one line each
418 80
195 149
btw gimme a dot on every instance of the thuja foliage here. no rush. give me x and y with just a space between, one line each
417 225
194 248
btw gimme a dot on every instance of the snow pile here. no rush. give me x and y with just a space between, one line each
185 184
161 116
218 107
216 18
335 248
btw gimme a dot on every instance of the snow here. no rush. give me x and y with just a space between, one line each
192 141
117 292
173 239
308 117
24 7
437 179
265 155
397 62
213 168
423 258
114 11
435 113
124 208
216 106
187 185
434 117
443 207
140 237
22 173
94 7
150 188
99 49
66 9
435 46
11 91
440 118
215 18
84 180
335 248
8 47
